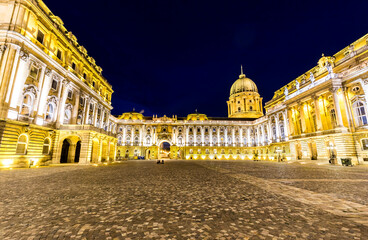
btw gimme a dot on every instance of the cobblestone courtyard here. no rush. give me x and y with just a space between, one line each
185 200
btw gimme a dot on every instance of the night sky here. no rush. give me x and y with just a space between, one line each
172 57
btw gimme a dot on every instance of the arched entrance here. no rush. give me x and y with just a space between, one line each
165 149
70 150
65 151
77 151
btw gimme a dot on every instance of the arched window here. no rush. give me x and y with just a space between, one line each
120 140
27 105
67 116
46 147
22 144
282 131
50 112
360 113
148 140
245 141
207 151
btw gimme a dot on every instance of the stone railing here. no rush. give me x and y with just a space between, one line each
86 128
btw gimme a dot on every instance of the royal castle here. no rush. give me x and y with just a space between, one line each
56 107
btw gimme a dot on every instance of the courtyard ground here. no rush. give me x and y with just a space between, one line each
185 200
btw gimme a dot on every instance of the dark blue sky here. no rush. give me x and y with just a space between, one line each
172 57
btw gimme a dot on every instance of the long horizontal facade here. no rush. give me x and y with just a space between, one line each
321 115
56 107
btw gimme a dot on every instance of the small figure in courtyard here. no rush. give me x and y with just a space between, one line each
162 161
158 161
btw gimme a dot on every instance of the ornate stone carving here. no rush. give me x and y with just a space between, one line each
3 48
334 89
297 85
24 55
48 71
311 77
30 89
52 99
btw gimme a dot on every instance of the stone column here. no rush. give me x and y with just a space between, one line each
64 94
337 107
318 113
241 136
44 92
263 135
211 139
292 123
349 114
233 135
202 135
195 136
277 125
95 114
87 102
20 79
75 107
286 127
301 112
249 138
225 133
218 136
71 153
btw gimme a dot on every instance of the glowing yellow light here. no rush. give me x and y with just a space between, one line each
242 157
95 165
250 156
203 157
8 162
288 158
211 157
187 157
195 157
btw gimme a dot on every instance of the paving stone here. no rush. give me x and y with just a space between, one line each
184 200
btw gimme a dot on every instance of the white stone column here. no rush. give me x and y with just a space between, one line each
225 133
75 107
44 92
337 107
211 139
263 135
241 136
233 136
218 136
317 112
64 95
132 137
249 138
286 127
87 103
95 114
124 135
277 128
202 135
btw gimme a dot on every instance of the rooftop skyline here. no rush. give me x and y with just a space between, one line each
172 57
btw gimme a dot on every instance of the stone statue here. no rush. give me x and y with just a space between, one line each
311 77
297 84
286 92
329 68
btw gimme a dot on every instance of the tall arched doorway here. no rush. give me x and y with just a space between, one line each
165 150
77 151
65 151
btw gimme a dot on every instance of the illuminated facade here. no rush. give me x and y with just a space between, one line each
320 115
55 104
55 107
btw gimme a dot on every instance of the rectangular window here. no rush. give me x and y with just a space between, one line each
93 83
84 75
365 144
74 66
33 72
54 84
40 36
81 101
70 94
59 54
